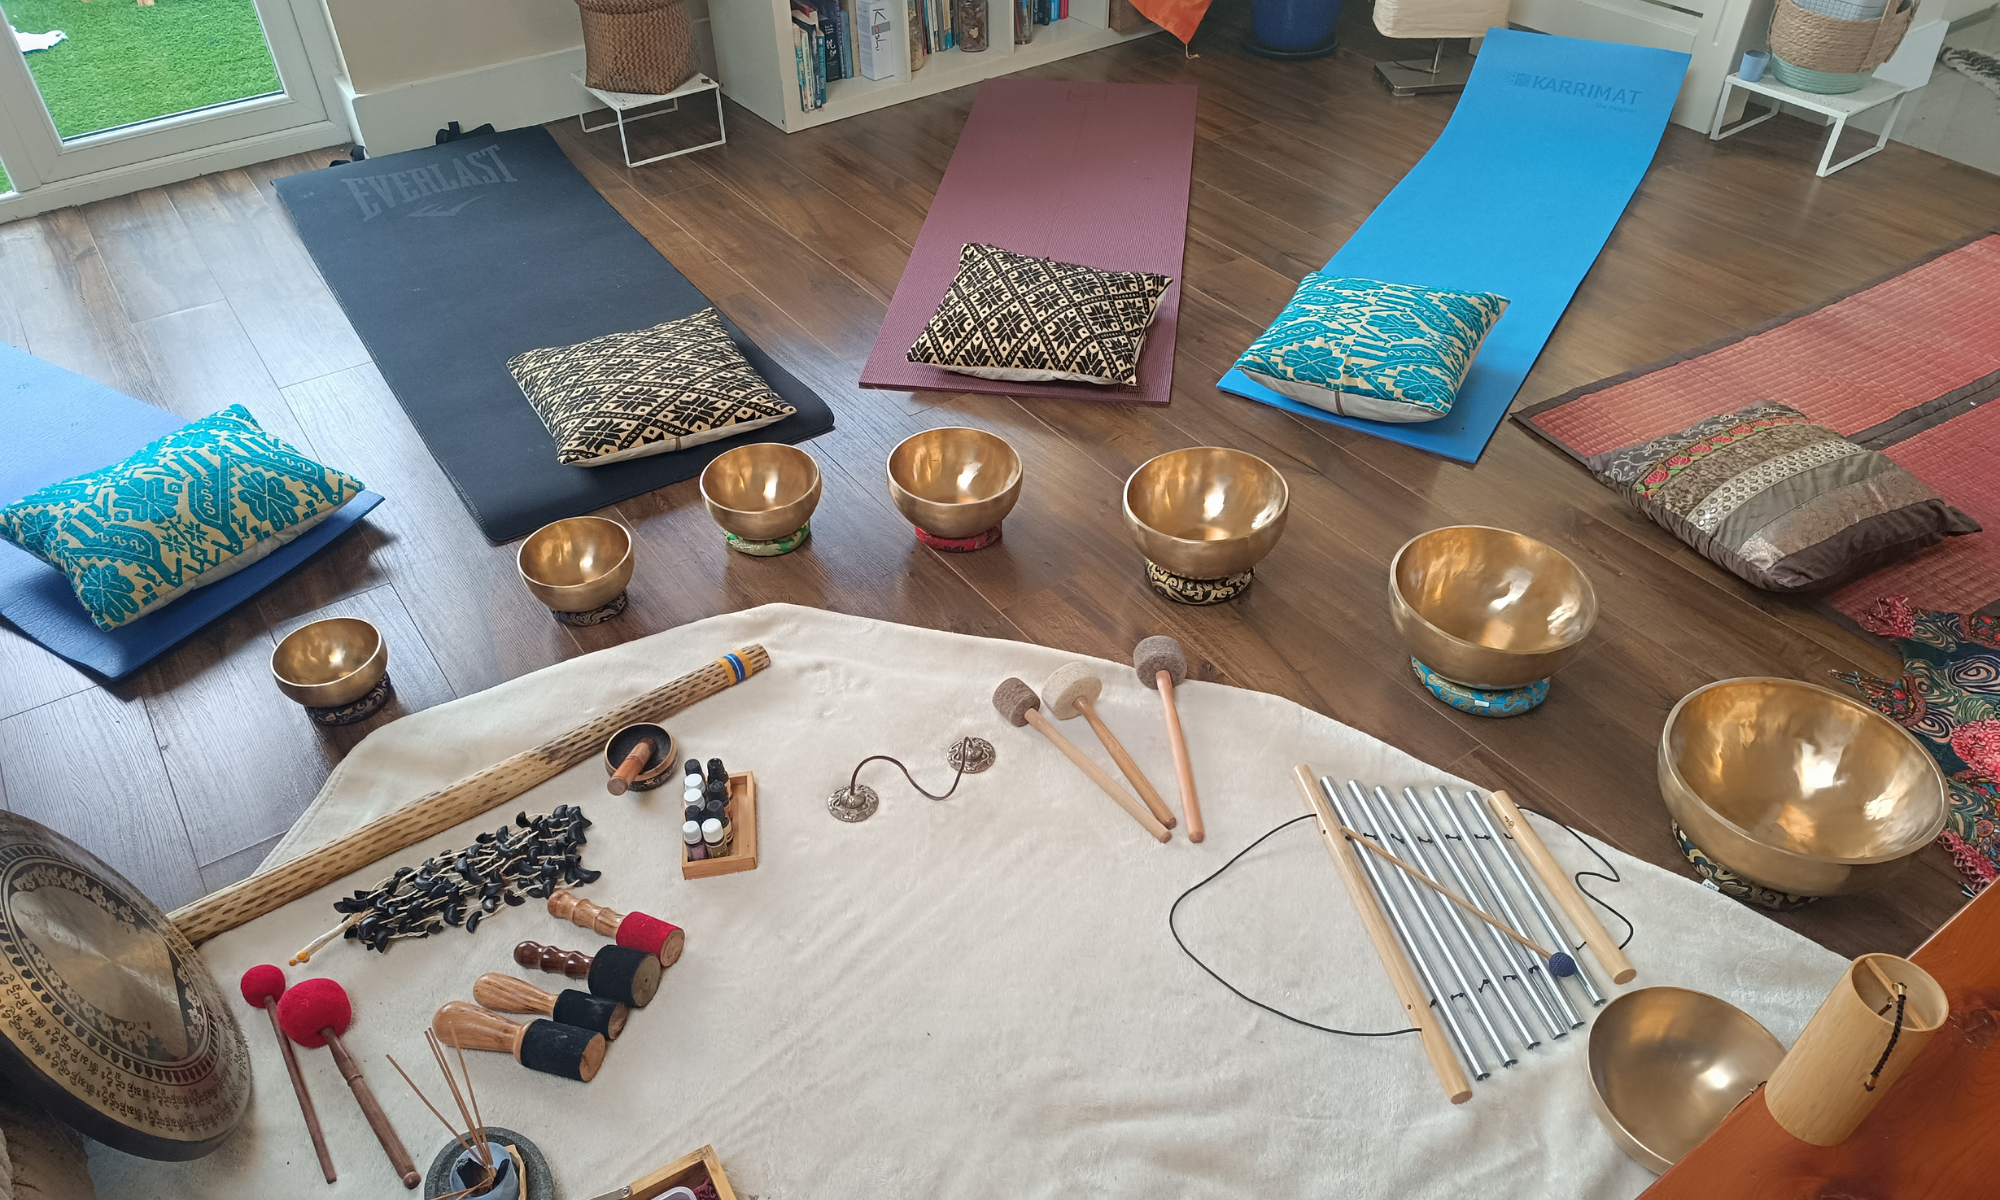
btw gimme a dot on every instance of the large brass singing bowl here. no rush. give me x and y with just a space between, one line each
954 482
761 492
1206 512
1489 608
1667 1065
326 664
577 564
1796 787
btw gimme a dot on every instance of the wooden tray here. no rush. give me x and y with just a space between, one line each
687 1170
743 831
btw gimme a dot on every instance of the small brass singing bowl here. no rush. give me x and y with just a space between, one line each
1798 788
1668 1064
326 664
1489 608
954 482
577 564
1207 511
761 492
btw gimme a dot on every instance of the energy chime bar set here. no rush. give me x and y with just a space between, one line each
1454 946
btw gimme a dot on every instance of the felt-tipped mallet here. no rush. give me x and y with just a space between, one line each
1017 702
1162 666
635 931
263 986
315 1013
504 993
1071 690
547 1046
619 973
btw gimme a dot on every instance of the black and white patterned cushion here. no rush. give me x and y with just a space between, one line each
1008 316
627 395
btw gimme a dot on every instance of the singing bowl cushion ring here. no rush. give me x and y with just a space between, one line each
311 1007
1779 500
964 545
354 711
1482 702
772 548
628 395
1009 316
1365 348
1184 589
1068 684
1730 884
191 508
1156 654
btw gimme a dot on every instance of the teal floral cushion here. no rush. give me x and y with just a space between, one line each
196 506
1364 348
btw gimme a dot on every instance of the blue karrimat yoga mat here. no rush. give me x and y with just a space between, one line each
1516 196
60 424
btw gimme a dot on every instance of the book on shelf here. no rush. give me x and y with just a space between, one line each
874 51
809 40
919 45
848 67
827 16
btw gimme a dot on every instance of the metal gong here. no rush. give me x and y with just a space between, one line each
108 1017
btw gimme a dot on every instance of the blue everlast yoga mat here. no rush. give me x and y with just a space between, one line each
1516 196
451 259
58 425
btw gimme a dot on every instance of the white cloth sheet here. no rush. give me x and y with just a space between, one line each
971 998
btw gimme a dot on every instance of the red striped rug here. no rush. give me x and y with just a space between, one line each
1904 365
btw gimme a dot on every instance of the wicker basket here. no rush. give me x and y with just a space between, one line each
1816 42
642 46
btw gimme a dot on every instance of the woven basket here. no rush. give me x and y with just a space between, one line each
643 46
1816 42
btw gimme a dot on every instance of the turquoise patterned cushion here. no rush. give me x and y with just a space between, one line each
1364 348
199 504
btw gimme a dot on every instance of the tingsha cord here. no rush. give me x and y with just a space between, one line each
857 801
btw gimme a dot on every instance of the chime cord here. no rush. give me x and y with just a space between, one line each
1613 877
964 753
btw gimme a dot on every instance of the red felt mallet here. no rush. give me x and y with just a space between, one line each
315 1014
262 985
634 931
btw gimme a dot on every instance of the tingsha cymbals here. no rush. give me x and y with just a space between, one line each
108 1017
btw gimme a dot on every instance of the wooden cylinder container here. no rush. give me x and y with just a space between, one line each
1828 1082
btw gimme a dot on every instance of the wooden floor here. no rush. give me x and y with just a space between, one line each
199 294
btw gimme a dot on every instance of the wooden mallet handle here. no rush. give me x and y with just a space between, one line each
385 1133
628 770
1563 888
1126 765
469 1027
299 1086
1098 776
582 913
504 993
1183 768
1416 1008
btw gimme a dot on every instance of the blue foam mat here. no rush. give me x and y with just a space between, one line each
60 424
1516 196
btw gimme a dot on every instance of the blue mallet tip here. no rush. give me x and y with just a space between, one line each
1561 965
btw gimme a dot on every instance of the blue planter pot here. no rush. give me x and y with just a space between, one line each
1293 29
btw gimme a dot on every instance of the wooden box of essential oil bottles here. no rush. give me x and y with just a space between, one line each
687 1171
742 854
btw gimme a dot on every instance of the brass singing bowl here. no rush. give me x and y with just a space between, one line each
1796 787
577 564
1668 1064
761 492
1207 511
954 482
326 664
1489 608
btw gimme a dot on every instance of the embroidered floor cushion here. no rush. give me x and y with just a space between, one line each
1363 348
628 395
1780 500
194 507
1009 316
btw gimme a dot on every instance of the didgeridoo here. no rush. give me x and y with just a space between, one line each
438 811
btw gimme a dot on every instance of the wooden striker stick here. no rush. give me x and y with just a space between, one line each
1367 843
1183 766
1415 1007
1099 777
299 1086
435 812
371 1108
628 770
1127 766
1563 888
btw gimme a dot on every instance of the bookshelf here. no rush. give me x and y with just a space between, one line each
753 53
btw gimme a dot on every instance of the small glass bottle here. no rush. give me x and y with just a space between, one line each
713 838
691 835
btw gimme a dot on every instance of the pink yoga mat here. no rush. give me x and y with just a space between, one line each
1092 173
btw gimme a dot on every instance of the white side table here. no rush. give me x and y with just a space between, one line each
621 103
1873 94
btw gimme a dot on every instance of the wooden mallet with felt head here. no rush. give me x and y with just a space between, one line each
315 1013
1072 689
1017 702
1162 666
546 1046
263 986
504 993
